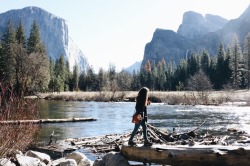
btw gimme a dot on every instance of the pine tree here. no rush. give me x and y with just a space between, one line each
124 80
67 76
34 40
247 59
75 78
205 62
228 71
20 60
20 35
82 81
236 63
193 65
52 85
169 75
60 71
38 60
146 75
220 68
103 81
181 74
135 83
8 54
153 76
91 80
112 77
162 75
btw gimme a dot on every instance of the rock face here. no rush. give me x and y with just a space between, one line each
195 25
195 34
168 45
53 32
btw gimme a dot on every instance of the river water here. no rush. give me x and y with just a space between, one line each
115 118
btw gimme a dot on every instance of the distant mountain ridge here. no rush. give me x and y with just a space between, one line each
53 32
195 34
133 68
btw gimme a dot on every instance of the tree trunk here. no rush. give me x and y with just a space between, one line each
188 155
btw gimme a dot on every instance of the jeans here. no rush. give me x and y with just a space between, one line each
144 130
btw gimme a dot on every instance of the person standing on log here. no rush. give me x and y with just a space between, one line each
141 112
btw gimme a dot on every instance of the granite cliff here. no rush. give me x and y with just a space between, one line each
53 32
195 34
195 25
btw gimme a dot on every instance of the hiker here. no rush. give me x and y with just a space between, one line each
141 113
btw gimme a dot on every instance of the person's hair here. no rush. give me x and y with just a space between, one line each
143 95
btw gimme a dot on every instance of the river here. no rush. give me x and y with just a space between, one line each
115 118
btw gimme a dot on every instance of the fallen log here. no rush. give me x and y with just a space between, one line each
188 155
46 121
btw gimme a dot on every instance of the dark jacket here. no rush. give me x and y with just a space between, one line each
141 108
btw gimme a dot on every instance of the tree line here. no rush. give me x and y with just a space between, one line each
229 68
24 64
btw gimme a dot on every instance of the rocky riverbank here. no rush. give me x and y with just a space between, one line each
35 158
107 149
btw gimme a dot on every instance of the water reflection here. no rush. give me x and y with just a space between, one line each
115 118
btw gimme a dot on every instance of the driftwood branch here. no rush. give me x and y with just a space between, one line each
199 125
162 135
46 121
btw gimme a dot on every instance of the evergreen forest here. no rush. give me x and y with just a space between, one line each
25 66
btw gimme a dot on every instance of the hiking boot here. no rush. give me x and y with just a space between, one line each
131 143
147 143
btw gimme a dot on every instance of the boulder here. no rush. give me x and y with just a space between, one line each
6 162
63 162
112 159
42 156
85 162
80 159
28 161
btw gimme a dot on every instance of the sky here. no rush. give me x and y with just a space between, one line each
115 32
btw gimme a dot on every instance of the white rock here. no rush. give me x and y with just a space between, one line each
80 159
76 156
63 162
85 162
6 162
28 161
112 159
42 156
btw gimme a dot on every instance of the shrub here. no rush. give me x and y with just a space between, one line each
13 107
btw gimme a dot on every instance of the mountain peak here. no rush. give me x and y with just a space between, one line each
195 25
191 17
53 32
195 34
